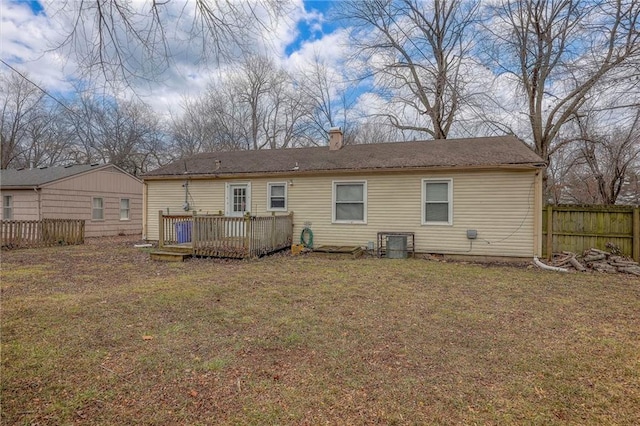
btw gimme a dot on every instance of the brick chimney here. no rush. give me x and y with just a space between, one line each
335 138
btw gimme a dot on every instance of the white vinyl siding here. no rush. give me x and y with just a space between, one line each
350 202
499 204
437 202
277 196
7 207
124 209
97 208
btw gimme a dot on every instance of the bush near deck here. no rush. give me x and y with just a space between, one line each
98 334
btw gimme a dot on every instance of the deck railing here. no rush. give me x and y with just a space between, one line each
223 236
38 233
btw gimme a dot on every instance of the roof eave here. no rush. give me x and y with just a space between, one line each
242 175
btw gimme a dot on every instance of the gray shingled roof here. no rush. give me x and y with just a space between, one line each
36 177
473 152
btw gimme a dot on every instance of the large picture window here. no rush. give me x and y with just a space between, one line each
277 196
350 202
437 203
97 210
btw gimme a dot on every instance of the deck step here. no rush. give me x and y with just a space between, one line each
169 256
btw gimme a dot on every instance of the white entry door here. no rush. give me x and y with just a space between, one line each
238 203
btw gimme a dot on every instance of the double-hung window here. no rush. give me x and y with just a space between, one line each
437 202
97 208
277 192
124 209
350 202
7 207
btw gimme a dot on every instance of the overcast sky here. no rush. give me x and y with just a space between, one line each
30 29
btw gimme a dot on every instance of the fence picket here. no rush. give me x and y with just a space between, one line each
36 233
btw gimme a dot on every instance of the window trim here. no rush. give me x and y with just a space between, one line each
128 210
94 209
423 189
7 207
276 209
334 185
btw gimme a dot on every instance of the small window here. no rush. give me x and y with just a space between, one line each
277 196
124 209
7 207
97 212
350 202
437 205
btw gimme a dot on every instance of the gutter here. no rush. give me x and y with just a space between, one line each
245 175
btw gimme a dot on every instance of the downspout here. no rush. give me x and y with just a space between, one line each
537 214
144 210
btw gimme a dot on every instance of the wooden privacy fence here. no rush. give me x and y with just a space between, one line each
37 233
223 236
579 228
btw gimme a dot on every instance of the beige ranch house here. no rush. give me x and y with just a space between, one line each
108 198
475 197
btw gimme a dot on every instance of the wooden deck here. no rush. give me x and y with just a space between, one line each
221 236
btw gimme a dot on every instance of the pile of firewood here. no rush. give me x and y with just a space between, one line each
596 260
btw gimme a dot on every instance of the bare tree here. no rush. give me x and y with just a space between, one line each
124 133
560 51
609 155
124 40
416 51
20 100
329 101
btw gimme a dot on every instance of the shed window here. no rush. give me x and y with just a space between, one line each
277 196
350 202
7 207
97 211
437 205
124 209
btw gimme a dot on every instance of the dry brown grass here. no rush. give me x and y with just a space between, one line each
311 340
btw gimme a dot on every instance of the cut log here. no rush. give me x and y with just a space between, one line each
634 270
594 257
603 267
595 250
574 262
563 260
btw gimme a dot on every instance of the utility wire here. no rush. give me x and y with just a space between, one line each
40 88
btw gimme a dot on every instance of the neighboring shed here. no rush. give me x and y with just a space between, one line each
105 196
436 190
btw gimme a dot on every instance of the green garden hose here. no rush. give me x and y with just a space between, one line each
309 242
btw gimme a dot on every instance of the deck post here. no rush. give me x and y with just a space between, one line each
194 233
160 230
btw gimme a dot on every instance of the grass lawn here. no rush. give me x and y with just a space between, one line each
98 334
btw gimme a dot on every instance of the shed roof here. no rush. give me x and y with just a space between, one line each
29 178
460 153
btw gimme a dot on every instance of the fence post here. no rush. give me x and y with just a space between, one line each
549 231
636 234
160 230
